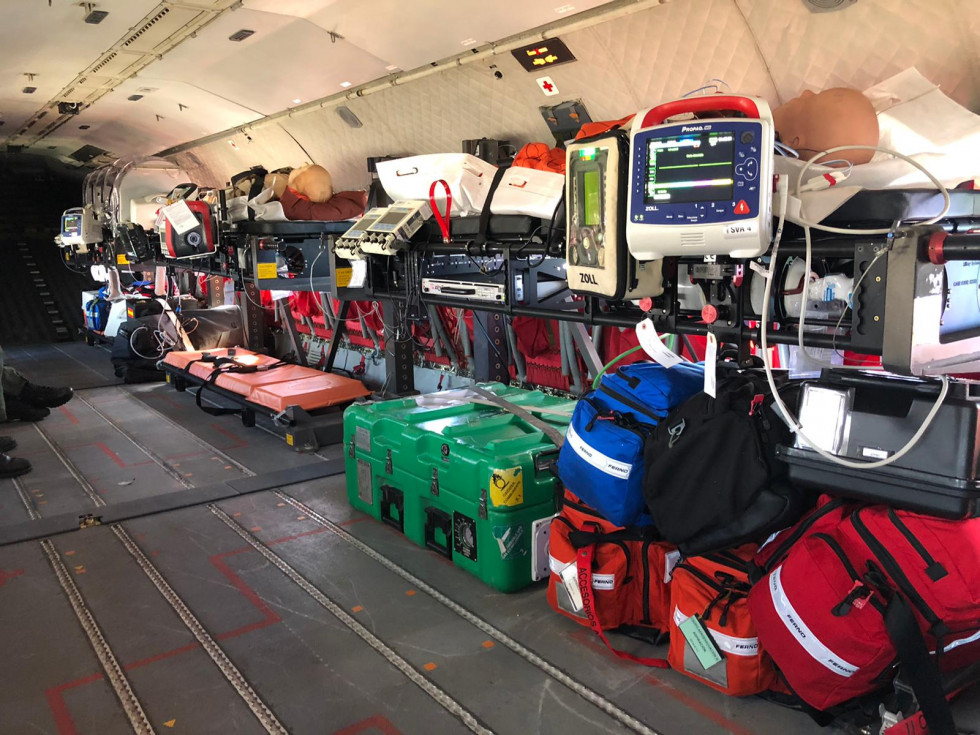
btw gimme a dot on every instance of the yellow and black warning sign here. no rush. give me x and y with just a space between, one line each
543 55
266 270
507 487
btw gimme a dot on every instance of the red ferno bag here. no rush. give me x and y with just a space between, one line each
861 589
606 577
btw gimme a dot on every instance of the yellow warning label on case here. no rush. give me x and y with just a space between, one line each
343 276
121 259
507 487
289 439
266 270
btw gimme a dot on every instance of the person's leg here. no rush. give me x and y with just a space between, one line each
13 381
3 406
9 466
13 386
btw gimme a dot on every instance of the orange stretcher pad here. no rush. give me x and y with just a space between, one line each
277 388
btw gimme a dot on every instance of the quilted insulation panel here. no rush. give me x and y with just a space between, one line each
773 49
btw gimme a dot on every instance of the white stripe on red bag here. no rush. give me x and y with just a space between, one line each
803 635
599 581
727 643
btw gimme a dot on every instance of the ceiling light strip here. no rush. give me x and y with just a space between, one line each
205 16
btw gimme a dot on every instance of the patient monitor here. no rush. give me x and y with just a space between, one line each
595 187
701 186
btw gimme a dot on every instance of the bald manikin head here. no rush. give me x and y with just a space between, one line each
313 182
835 117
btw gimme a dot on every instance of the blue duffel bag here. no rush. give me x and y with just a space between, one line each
601 460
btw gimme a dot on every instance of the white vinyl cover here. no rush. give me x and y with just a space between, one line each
469 179
528 191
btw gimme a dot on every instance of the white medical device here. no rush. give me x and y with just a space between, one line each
704 186
393 229
599 262
348 245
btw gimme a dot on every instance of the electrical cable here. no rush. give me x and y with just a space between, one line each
598 377
787 416
845 231
838 230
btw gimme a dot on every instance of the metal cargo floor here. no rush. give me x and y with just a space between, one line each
277 610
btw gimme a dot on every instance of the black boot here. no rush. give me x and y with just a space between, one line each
45 396
7 443
13 466
18 410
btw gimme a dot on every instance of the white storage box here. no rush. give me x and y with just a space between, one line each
469 179
528 191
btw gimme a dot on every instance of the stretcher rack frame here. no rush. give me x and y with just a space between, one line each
304 431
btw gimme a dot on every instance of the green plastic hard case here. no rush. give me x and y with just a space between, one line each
461 476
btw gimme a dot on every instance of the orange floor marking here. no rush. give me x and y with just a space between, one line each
429 666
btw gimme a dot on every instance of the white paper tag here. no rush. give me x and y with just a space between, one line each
569 578
181 217
358 273
651 343
710 360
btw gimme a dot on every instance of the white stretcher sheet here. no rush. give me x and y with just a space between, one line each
914 118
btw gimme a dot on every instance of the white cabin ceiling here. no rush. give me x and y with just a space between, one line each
207 84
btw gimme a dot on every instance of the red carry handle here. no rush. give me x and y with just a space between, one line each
442 220
706 103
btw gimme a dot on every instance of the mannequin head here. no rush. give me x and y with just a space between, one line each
840 116
313 182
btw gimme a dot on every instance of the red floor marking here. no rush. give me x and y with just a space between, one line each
588 639
185 455
161 656
239 442
59 709
109 453
7 576
352 521
379 722
69 415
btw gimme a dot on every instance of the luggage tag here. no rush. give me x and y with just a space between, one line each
180 217
701 642
652 344
569 578
710 360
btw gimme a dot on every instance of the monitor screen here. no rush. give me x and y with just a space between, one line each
393 218
357 229
71 224
591 203
690 168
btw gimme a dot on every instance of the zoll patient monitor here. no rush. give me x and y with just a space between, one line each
701 186
598 261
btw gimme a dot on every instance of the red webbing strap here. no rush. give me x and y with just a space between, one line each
585 556
442 220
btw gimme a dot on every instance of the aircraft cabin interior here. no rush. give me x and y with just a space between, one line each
529 367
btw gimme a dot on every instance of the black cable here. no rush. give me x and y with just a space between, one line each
476 320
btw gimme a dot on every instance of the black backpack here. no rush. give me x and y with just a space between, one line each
712 479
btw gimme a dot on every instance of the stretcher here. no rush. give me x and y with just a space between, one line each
304 402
